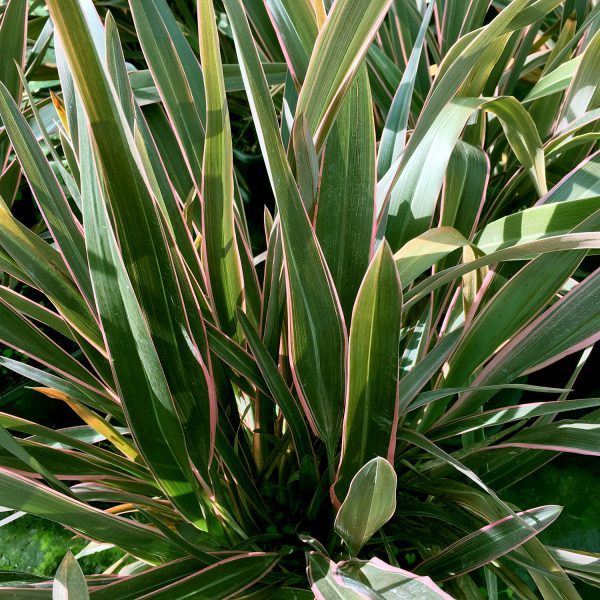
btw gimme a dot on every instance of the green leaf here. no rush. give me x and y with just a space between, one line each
69 582
140 369
218 240
225 579
512 307
577 437
21 493
236 357
131 587
279 390
177 75
408 193
582 182
78 389
342 43
488 543
18 332
117 69
20 452
307 163
296 26
583 93
422 252
317 337
137 279
369 504
422 372
538 222
147 93
47 270
465 188
346 200
370 417
393 138
426 398
59 217
569 241
80 439
508 414
570 324
35 311
557 80
13 41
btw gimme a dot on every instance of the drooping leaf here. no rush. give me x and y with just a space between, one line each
423 251
24 494
225 579
571 323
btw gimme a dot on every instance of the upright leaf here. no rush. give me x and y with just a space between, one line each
317 335
369 505
218 232
177 75
141 262
13 41
393 138
296 26
346 201
69 582
371 413
342 43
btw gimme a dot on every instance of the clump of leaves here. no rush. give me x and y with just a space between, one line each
357 394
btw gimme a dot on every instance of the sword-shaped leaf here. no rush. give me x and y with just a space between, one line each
21 493
488 543
317 337
371 413
218 231
342 44
346 202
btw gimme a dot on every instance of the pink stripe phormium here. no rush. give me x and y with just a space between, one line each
483 530
588 342
541 446
499 361
427 581
568 176
217 565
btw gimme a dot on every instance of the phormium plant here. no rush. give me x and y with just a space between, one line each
339 415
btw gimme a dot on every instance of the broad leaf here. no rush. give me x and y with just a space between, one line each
369 504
